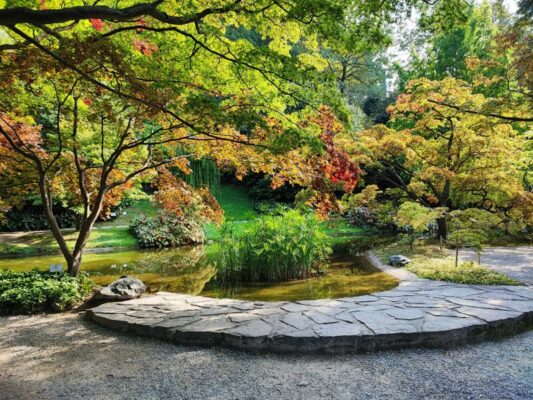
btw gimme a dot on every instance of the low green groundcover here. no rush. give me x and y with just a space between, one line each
466 272
35 291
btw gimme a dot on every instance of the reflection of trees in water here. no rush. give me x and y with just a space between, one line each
192 282
362 244
164 262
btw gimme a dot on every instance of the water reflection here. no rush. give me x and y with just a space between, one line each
191 270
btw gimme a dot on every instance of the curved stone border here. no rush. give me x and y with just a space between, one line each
416 313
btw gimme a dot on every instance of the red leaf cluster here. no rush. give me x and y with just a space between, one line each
97 24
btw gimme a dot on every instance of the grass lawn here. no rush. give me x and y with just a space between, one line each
106 234
236 204
140 206
29 243
234 200
238 209
429 262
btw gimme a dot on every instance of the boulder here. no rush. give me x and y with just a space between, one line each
125 288
399 260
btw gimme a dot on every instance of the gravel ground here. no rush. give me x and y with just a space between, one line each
516 262
64 357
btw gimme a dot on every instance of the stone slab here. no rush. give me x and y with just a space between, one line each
416 313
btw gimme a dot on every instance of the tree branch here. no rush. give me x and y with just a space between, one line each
21 15
492 115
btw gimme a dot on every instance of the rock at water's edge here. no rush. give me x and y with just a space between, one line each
125 288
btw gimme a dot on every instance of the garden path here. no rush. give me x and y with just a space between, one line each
515 262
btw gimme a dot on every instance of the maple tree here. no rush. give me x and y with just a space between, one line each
414 219
441 156
96 96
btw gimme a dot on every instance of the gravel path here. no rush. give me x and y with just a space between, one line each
515 262
63 357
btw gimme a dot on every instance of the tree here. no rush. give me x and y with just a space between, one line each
414 220
446 50
441 156
471 228
125 84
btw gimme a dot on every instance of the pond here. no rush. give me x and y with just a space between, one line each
191 270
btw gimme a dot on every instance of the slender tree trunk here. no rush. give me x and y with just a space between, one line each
442 228
85 231
83 237
52 221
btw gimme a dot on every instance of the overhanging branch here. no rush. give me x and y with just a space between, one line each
24 15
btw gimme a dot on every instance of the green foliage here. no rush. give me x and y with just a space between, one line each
204 172
467 272
414 219
367 208
35 291
235 202
471 227
450 45
272 249
166 230
30 217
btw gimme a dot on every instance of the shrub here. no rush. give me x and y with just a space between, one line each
30 217
166 230
34 291
274 248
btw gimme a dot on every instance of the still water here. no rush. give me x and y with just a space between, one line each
191 270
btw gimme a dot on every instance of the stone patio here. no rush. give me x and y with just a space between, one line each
416 313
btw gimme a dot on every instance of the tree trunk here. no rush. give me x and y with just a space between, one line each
84 233
51 218
75 264
81 241
442 228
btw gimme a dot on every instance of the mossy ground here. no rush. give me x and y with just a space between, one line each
430 262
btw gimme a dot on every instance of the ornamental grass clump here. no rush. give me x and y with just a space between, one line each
275 248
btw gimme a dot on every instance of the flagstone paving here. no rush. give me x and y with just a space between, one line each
416 313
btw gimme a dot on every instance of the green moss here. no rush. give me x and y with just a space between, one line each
466 272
